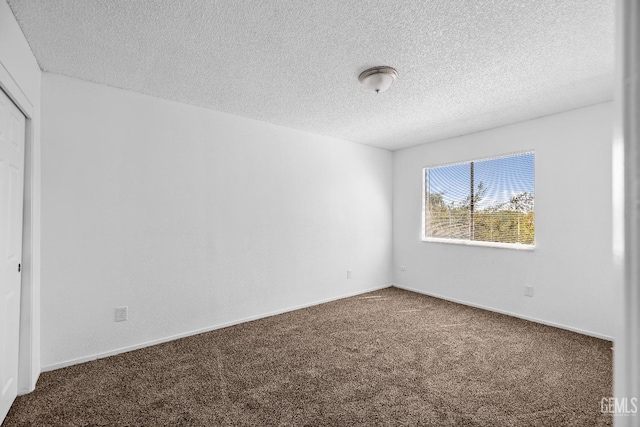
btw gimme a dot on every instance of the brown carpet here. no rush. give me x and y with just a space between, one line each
390 357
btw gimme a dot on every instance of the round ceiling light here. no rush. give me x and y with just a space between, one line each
378 79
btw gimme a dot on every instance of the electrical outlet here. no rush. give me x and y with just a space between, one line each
348 274
528 291
122 314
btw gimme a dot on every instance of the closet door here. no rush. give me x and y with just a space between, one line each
12 139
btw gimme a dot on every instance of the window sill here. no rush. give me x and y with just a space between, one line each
516 246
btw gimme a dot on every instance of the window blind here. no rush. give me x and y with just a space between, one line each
486 200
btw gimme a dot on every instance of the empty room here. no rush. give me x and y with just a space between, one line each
276 212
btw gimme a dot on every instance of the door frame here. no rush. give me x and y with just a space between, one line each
626 210
29 354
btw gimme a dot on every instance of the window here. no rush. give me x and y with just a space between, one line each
488 202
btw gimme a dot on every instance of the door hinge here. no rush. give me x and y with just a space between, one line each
19 267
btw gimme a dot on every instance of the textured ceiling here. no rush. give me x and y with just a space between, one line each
463 66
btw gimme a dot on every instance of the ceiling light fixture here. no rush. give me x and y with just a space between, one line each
378 78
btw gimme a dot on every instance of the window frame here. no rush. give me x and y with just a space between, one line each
467 242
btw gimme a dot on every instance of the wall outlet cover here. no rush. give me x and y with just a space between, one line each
122 314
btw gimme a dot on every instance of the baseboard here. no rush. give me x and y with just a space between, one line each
104 354
508 313
32 386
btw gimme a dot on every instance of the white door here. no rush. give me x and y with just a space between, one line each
12 129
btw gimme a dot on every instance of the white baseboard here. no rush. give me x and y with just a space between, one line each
32 386
104 354
508 313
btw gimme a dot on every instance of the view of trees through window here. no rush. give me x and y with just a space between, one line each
488 200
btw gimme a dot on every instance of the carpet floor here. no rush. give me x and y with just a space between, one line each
389 357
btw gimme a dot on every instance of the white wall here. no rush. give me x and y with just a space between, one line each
194 218
571 267
20 79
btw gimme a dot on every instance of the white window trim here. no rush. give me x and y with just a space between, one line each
517 246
